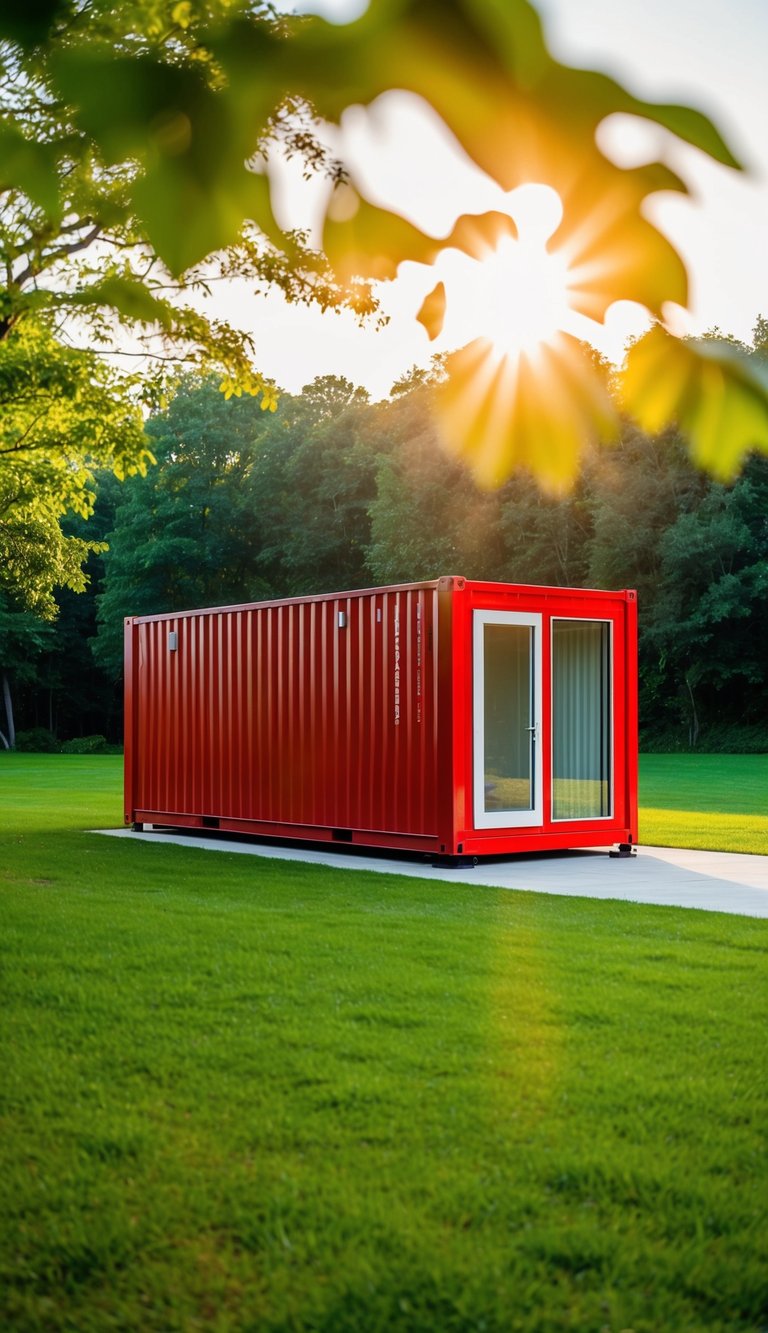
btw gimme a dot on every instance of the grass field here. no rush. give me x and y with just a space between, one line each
247 1095
718 801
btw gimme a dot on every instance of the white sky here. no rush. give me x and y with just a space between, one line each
701 52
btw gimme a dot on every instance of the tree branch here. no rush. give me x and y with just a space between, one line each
32 270
115 351
67 227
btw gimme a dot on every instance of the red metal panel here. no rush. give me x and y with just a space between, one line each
348 716
631 715
129 720
315 714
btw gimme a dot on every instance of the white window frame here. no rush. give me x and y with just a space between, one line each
533 818
589 620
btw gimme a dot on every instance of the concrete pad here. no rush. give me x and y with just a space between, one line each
662 876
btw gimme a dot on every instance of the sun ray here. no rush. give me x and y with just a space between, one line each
511 290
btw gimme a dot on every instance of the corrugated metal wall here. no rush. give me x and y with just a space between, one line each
277 713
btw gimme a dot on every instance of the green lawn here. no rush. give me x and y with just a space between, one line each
718 801
248 1095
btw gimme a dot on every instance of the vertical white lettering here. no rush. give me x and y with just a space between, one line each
418 662
397 666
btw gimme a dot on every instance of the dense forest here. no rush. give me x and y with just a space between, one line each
332 492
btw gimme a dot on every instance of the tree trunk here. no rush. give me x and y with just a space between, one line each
9 713
693 730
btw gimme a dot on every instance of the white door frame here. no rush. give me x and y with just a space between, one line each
505 818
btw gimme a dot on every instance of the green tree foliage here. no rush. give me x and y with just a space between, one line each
60 419
331 491
185 534
75 699
136 142
316 493
368 490
636 492
50 675
242 505
427 513
94 163
697 552
708 622
23 639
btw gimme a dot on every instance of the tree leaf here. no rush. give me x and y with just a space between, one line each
478 234
432 312
195 191
715 394
30 23
29 167
610 247
593 96
371 242
183 124
129 298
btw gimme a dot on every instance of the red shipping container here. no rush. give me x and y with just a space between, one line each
452 718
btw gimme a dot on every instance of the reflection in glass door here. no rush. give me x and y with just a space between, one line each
507 720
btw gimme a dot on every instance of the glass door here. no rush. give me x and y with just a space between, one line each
507 719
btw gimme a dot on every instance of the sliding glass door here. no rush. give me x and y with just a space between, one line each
507 719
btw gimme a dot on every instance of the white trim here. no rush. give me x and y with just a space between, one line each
534 817
587 620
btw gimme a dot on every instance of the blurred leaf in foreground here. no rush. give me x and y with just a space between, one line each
716 395
522 117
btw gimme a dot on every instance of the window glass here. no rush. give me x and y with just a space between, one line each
581 721
508 706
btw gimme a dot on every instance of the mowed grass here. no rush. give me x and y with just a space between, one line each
715 801
252 1095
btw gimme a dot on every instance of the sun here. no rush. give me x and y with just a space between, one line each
513 292
521 296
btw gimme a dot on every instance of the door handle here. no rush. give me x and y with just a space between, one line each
533 729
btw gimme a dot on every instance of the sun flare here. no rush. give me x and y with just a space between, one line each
521 389
511 285
521 296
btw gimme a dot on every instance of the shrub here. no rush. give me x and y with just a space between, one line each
722 739
87 745
38 740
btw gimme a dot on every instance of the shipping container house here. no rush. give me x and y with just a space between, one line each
453 718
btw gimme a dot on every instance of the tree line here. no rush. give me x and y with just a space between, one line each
332 491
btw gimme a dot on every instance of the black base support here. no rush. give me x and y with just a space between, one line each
623 850
453 862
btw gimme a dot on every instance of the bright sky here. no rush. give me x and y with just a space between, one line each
695 51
